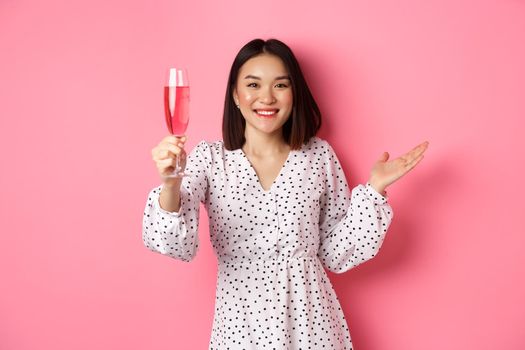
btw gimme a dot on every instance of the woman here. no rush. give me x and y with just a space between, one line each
279 209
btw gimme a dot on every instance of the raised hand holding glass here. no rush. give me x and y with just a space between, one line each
176 106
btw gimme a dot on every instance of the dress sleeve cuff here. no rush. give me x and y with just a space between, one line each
376 196
173 214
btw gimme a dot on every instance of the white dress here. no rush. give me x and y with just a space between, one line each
272 291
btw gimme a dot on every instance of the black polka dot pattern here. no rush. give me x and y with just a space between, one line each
271 245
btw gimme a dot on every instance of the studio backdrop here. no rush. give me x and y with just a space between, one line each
81 86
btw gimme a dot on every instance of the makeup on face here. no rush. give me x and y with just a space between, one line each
264 88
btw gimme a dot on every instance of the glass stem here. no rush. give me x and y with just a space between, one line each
177 168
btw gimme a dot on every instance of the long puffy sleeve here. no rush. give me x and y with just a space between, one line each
175 234
352 228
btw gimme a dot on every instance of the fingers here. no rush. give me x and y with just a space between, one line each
165 154
413 163
415 152
162 152
174 139
420 148
169 147
173 143
166 165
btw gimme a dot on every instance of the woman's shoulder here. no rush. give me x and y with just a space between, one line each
321 149
212 149
203 144
316 143
209 144
316 140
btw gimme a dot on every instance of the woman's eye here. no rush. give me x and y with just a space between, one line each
280 85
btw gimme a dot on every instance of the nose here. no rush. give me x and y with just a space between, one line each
267 96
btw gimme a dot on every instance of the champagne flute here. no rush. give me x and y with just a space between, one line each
176 107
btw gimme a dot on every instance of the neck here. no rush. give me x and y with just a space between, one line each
262 144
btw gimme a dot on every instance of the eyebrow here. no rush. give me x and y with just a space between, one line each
249 76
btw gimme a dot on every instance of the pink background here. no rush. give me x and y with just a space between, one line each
81 109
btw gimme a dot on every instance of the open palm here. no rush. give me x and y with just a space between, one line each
385 172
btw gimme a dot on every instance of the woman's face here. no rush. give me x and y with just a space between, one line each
263 92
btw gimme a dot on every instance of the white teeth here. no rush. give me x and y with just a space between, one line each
266 112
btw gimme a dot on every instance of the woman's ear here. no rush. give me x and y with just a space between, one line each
235 96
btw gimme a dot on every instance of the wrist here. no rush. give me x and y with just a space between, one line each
172 185
377 187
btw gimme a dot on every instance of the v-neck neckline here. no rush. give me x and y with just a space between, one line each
281 171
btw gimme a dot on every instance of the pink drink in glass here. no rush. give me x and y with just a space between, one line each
176 106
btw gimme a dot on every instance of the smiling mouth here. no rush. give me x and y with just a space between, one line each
266 113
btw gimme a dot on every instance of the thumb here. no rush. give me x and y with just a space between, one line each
384 157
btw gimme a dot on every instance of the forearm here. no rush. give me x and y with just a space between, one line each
349 240
169 199
174 234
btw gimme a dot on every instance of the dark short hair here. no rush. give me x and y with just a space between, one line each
305 119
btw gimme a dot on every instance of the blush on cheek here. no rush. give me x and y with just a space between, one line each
247 98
